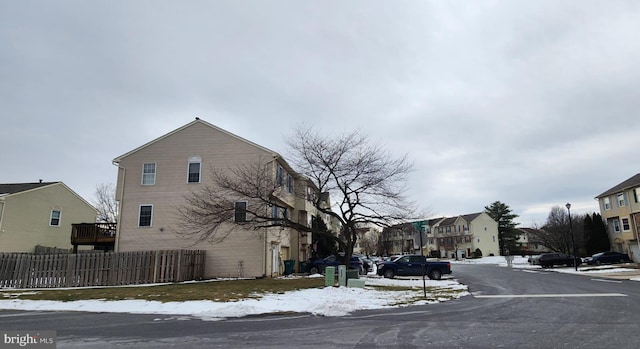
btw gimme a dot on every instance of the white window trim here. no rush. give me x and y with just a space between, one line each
623 202
155 171
606 203
628 224
618 225
194 160
59 218
150 222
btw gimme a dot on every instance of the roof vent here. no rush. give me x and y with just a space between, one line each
197 118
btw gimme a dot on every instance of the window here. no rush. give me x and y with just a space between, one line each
55 218
616 225
240 211
149 174
620 198
280 175
625 224
146 216
606 202
194 168
278 212
289 183
635 194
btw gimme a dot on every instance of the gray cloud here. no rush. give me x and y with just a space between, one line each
529 103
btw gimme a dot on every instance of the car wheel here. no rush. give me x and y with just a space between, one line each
598 262
389 273
435 274
314 270
623 261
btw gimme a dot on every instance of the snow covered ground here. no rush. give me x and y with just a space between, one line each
328 301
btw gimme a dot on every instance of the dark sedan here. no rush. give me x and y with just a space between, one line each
548 260
608 258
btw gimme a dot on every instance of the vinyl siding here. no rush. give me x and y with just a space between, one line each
26 218
171 154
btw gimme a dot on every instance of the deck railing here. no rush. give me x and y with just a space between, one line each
93 233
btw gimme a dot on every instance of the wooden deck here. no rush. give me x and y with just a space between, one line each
102 234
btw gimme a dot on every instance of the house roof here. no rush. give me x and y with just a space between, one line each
628 184
13 188
196 121
451 220
17 188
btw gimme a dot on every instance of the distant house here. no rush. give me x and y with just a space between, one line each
459 237
446 237
620 210
154 179
527 242
40 214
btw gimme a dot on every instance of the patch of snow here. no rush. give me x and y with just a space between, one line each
327 301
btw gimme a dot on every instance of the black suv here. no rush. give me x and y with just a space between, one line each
548 260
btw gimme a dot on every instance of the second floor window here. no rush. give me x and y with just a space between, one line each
289 183
240 212
149 174
194 168
620 198
279 175
606 203
55 218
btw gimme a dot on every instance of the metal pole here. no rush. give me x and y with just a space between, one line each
424 284
573 241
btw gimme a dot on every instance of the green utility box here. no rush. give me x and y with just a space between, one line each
329 276
352 274
303 267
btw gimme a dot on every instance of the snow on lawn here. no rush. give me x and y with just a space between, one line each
328 301
520 262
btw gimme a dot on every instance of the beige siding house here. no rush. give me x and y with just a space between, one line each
620 210
459 237
40 214
154 179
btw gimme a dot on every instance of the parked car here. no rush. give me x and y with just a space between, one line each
367 264
413 265
548 260
318 265
609 257
534 260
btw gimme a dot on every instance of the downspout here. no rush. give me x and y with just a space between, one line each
1 214
116 248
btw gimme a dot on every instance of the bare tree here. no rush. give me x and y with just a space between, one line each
365 183
555 233
106 204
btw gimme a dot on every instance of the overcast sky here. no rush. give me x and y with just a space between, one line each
533 103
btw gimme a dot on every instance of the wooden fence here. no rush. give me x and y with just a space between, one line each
25 270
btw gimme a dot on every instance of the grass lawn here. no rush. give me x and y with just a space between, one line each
219 291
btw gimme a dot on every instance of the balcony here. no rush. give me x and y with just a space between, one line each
97 234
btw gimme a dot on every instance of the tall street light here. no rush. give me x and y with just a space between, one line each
573 241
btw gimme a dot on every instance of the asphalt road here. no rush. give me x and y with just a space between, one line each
508 308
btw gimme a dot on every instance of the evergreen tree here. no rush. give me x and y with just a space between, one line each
589 241
600 236
507 232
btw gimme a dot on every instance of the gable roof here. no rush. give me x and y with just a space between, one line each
628 184
13 188
196 121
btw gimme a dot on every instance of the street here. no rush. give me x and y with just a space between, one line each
508 308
